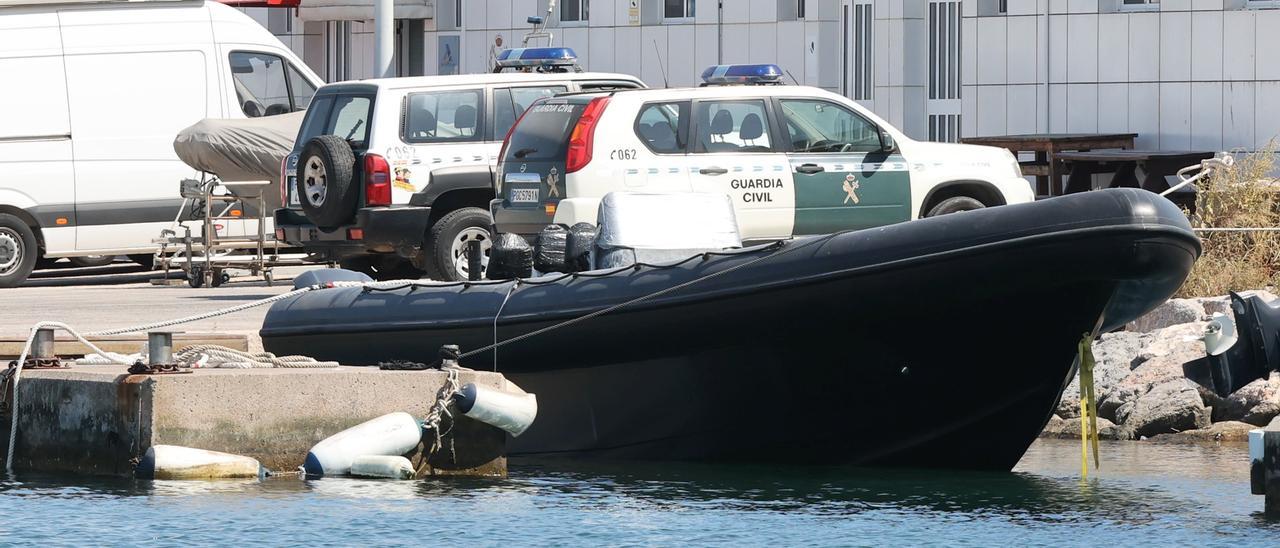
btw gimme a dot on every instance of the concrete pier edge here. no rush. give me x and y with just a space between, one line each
100 419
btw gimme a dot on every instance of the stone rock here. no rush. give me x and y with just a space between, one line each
1172 312
1122 412
1163 359
1222 303
1171 406
1108 408
1261 394
1114 354
1070 429
1228 431
1262 414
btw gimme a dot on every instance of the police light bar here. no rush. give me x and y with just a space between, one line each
742 74
537 57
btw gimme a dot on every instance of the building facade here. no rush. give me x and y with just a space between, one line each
1182 74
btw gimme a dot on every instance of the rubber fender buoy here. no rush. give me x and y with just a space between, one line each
577 248
382 466
513 412
510 257
177 462
391 434
326 275
548 253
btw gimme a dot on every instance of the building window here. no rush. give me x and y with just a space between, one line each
944 71
1002 7
574 11
677 9
857 51
800 9
1264 4
457 14
1139 4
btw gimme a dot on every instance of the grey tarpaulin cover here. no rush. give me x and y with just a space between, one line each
246 149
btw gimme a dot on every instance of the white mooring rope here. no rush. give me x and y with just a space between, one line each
218 355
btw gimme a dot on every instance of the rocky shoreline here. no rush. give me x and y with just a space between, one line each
1143 393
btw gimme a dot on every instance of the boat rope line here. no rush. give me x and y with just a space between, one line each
1088 405
776 249
501 307
212 355
452 387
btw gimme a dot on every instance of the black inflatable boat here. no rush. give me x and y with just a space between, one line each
942 342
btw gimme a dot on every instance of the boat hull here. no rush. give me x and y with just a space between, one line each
920 344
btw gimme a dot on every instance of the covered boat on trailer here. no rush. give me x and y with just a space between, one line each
941 342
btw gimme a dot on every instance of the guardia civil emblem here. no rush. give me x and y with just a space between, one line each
553 179
850 188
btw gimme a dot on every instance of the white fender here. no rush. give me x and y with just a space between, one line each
382 466
506 410
176 462
391 434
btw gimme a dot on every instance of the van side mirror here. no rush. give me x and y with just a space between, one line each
887 144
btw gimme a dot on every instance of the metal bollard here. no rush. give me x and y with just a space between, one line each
475 256
42 347
159 347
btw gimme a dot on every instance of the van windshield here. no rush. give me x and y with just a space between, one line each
543 133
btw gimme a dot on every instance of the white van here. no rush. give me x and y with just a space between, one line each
94 94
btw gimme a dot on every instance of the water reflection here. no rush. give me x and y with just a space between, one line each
1145 492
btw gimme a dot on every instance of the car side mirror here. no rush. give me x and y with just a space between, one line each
887 144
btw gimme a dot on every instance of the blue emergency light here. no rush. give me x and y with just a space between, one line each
537 57
742 74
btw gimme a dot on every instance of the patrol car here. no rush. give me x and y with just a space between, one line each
394 176
795 159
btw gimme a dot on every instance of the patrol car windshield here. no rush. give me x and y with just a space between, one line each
543 133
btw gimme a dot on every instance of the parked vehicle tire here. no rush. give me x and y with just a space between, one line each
146 260
955 204
18 251
324 184
447 242
93 260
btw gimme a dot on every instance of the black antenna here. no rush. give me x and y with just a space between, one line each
665 84
793 78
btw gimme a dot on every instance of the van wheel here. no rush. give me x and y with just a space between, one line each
954 205
18 251
448 239
324 185
92 261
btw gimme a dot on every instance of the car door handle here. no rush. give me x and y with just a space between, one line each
809 169
713 171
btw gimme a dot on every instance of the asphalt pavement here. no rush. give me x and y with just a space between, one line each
122 295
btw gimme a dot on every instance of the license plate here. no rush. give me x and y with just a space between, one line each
293 194
524 196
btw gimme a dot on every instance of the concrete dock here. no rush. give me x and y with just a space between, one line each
100 419
1264 470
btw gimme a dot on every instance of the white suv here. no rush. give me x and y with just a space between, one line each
795 159
393 176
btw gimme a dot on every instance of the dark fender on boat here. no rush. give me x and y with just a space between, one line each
937 342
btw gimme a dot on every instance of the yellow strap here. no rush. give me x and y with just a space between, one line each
1088 406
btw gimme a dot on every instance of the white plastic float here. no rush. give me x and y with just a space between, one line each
506 410
176 462
382 466
393 434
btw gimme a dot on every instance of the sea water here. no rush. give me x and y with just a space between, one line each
1144 494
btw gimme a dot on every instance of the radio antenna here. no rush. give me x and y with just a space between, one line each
662 68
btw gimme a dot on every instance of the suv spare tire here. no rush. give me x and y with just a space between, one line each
324 184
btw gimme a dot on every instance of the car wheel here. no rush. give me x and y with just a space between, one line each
447 243
954 205
324 184
92 261
18 251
